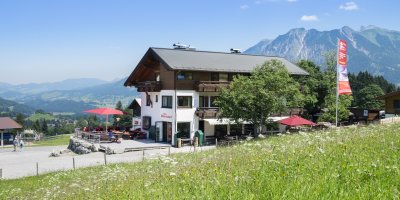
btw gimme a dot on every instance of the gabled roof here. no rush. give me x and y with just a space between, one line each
8 123
193 60
138 101
179 59
389 95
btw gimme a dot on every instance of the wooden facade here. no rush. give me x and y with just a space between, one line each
153 76
392 102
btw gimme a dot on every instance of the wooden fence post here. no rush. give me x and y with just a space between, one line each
216 142
143 155
169 151
1 173
73 162
37 168
105 158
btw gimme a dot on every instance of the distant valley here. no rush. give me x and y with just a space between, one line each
371 49
74 95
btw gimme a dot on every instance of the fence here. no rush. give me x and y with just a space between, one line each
87 136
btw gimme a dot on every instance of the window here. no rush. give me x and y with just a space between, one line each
219 77
184 129
166 102
203 101
148 100
212 101
214 77
184 101
223 77
156 98
146 122
396 105
220 130
185 76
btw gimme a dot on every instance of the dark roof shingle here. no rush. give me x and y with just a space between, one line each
218 61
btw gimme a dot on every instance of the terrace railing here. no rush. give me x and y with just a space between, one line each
149 86
93 138
210 86
206 112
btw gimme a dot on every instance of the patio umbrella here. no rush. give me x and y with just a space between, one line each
7 123
296 121
105 111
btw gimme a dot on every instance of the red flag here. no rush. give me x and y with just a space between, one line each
343 79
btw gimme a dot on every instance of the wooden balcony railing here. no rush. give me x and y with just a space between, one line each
207 113
210 86
290 112
149 86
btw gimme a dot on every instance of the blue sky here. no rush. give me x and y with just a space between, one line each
47 41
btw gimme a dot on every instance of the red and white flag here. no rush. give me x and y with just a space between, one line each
343 79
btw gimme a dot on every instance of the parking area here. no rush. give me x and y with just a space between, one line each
33 160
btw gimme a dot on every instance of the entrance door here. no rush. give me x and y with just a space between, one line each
164 133
201 125
159 131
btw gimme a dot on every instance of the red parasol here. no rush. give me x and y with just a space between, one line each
296 121
105 111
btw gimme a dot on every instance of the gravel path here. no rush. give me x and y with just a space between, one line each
21 164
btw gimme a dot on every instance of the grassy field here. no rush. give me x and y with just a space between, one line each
353 163
54 141
40 116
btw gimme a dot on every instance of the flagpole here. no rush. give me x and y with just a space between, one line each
337 82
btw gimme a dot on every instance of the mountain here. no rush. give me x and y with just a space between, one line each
371 49
34 88
74 100
10 108
102 95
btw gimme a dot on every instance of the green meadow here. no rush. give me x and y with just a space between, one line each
62 139
350 163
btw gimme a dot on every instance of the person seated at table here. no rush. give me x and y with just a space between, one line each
111 136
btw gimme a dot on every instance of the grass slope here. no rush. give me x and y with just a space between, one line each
41 116
354 163
54 141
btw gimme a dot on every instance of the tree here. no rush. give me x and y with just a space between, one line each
36 126
44 127
20 119
118 106
93 121
330 99
312 86
268 90
367 97
363 79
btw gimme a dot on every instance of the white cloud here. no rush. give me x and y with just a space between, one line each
244 7
272 1
308 18
349 6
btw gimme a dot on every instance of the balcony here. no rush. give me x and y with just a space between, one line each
210 86
290 112
149 86
207 113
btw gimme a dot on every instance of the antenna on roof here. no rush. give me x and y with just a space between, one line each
235 50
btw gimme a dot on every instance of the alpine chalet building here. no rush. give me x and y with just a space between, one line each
178 88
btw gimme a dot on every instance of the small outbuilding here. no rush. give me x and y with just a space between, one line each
392 102
7 123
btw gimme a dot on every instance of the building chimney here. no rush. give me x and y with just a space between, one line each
183 47
235 50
